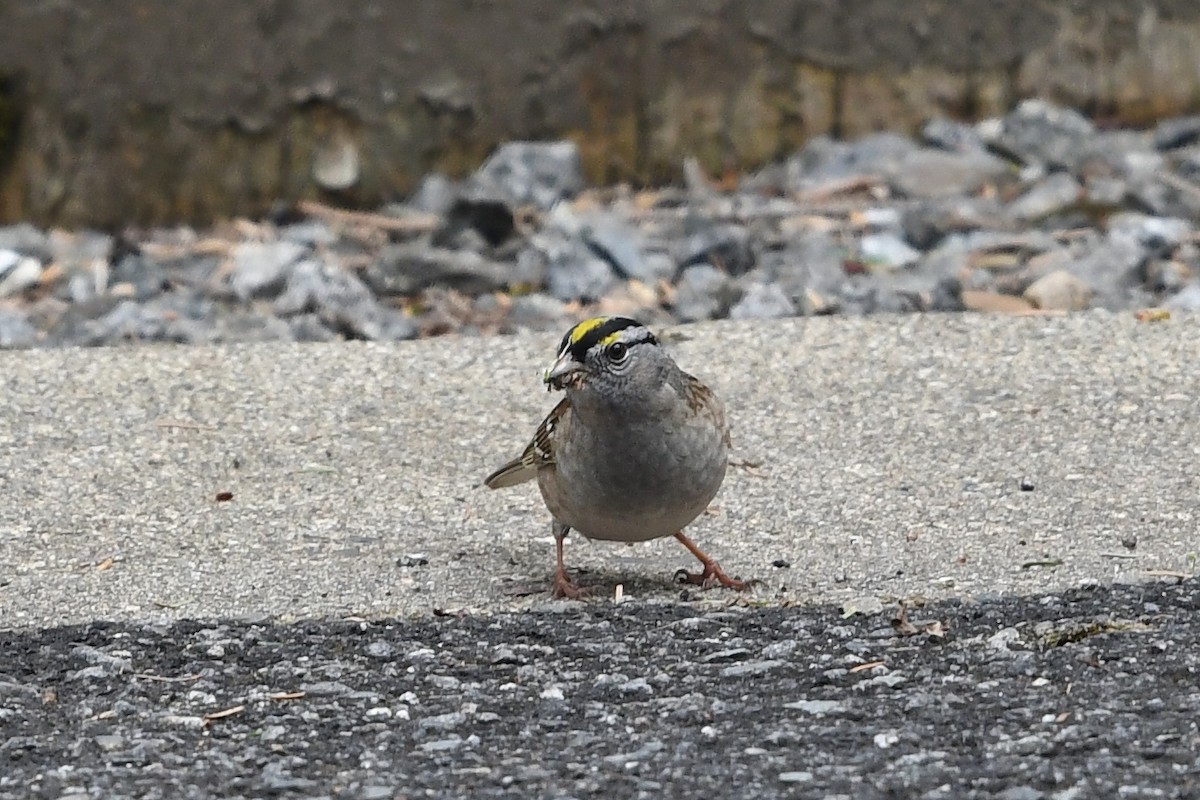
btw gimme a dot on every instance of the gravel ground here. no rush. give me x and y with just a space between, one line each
1040 209
1088 693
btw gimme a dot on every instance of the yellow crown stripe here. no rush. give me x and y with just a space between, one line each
582 329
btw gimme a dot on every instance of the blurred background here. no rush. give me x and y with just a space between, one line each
810 156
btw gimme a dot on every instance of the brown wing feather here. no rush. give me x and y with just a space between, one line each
702 400
539 453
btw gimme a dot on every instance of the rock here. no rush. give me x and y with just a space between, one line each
310 233
25 239
724 246
925 224
539 312
1061 291
180 319
1113 266
1177 132
16 331
1039 132
17 272
405 269
948 134
1166 276
1187 299
703 292
529 173
932 173
435 195
763 301
260 268
572 271
342 302
1055 193
620 244
887 249
1159 234
136 274
825 161
751 668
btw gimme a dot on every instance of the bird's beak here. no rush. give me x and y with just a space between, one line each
563 373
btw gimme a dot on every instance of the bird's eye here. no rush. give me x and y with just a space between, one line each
617 351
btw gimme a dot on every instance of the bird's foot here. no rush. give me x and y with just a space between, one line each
564 587
710 576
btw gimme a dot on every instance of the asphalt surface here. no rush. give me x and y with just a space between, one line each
981 461
1086 694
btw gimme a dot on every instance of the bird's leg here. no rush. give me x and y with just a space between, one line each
563 585
712 574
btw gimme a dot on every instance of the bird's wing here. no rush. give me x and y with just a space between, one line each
539 453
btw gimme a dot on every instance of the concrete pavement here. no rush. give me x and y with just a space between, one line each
890 452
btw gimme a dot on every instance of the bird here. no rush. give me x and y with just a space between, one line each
635 450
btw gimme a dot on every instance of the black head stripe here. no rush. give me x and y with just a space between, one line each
589 333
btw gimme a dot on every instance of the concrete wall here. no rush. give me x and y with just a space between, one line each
119 111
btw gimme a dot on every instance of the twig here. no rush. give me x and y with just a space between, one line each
412 223
229 712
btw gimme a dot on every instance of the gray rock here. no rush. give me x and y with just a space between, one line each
932 173
1188 299
763 301
443 722
538 311
405 269
951 135
17 272
725 246
704 292
251 326
887 249
1053 194
750 668
927 223
825 160
572 271
796 776
1039 132
435 195
310 328
817 708
16 331
180 319
143 278
310 233
342 302
620 244
112 664
261 268
1113 266
25 239
529 173
1158 234
1177 132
